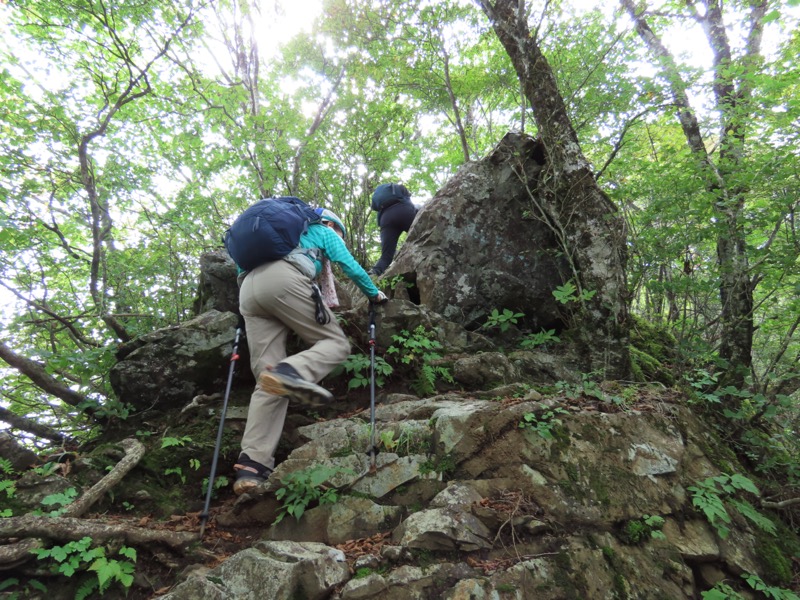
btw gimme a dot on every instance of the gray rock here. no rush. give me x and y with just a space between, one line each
478 246
169 367
270 570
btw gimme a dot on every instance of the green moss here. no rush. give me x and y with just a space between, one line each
645 368
653 348
654 339
720 455
622 590
590 433
774 554
572 472
342 452
570 581
599 485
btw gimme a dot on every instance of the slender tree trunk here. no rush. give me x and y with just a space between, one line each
462 134
736 285
593 234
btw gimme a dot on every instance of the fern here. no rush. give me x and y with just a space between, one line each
748 511
420 350
708 496
6 466
755 582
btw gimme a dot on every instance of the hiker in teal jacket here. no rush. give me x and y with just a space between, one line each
274 299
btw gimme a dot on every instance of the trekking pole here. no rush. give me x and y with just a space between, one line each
373 451
234 358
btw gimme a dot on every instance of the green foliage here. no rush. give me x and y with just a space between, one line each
534 340
176 471
9 486
358 366
220 483
445 465
403 443
300 489
710 494
568 293
419 350
47 469
394 282
110 409
775 593
748 511
169 442
80 557
543 424
28 588
6 467
502 320
60 499
648 527
722 591
591 389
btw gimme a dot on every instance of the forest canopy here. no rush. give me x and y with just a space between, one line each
132 134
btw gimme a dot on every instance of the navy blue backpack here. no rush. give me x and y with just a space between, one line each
268 230
387 194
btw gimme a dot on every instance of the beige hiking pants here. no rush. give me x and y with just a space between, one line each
274 299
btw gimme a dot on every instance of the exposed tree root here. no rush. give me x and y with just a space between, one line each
24 531
68 528
134 451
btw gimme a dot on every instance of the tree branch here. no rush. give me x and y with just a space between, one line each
34 427
38 375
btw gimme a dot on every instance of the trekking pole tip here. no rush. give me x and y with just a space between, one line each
202 528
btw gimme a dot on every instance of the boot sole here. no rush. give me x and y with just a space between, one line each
242 486
299 392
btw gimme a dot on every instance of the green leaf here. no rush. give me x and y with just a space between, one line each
128 553
743 483
761 521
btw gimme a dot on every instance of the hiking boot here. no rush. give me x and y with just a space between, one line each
249 474
284 380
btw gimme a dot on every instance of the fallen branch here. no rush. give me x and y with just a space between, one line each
781 504
71 529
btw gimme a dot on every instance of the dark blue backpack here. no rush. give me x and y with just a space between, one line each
387 194
268 230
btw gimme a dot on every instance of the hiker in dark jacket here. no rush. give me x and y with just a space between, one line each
274 299
396 213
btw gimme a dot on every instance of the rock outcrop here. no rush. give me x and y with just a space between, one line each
477 245
500 498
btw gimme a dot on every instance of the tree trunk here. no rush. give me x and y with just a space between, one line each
736 285
592 232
